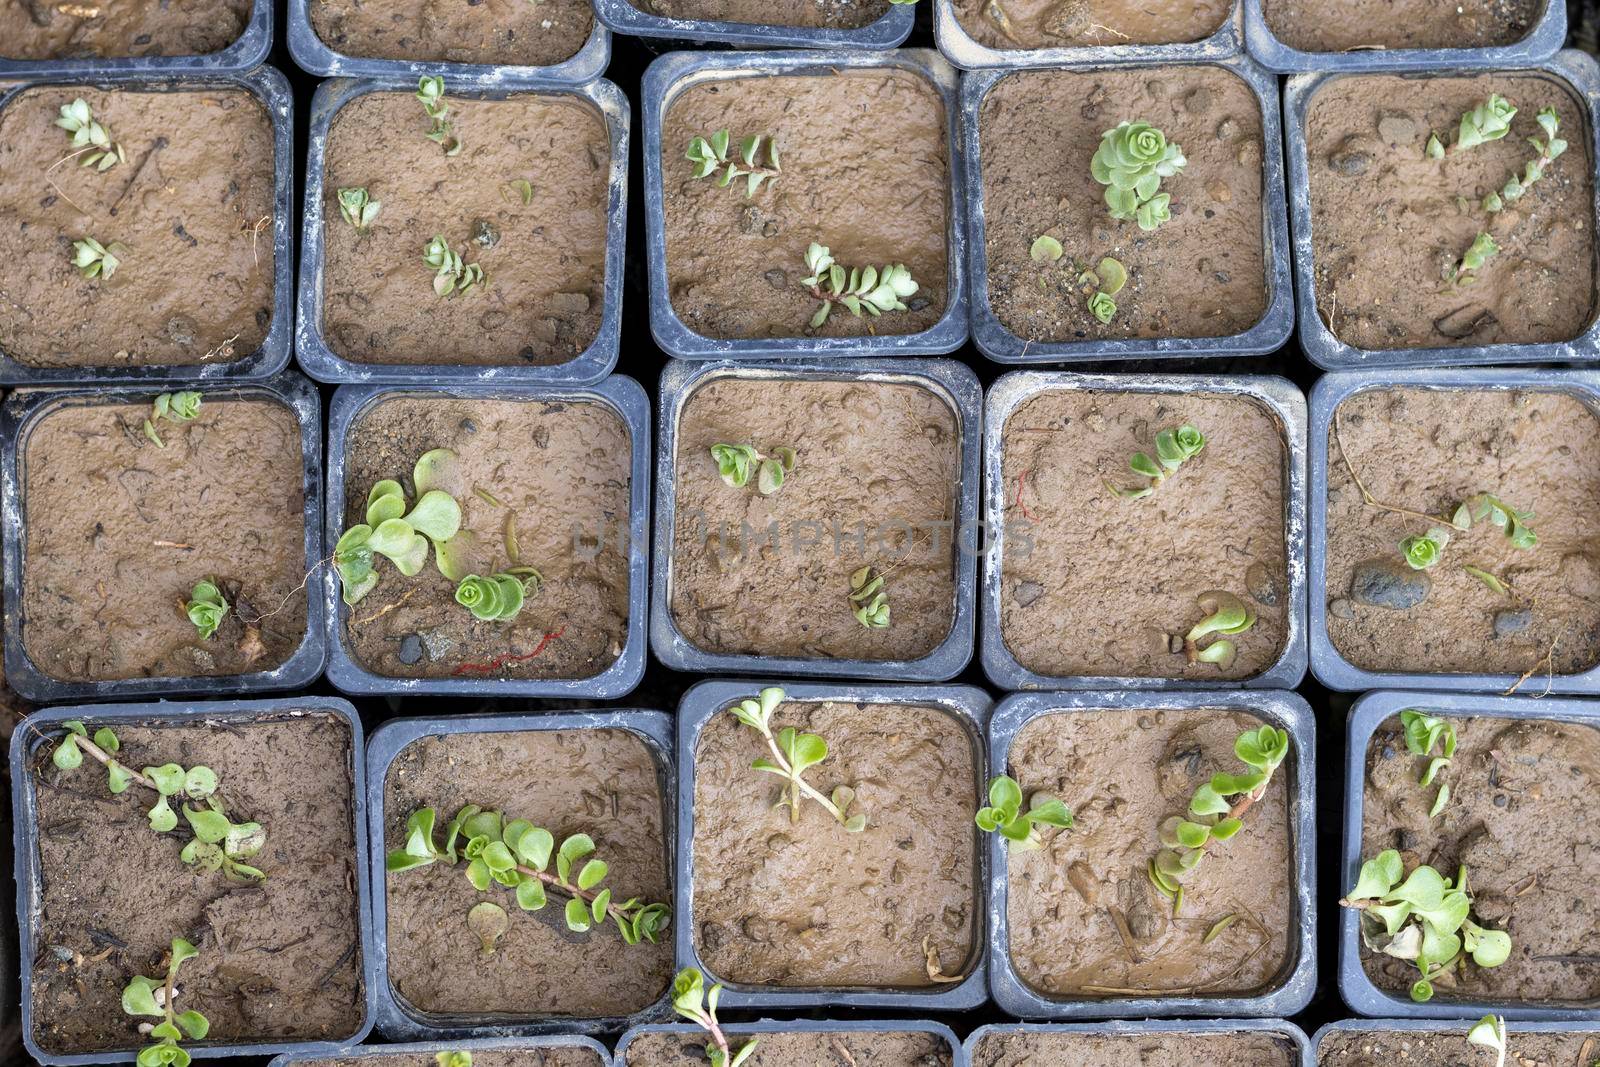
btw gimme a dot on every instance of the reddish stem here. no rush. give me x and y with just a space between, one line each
490 666
1022 483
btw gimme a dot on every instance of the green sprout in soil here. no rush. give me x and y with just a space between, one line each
1426 918
1422 551
1130 162
499 597
869 602
1509 520
1488 121
157 997
1490 1032
873 289
89 137
430 91
736 462
691 1000
206 608
1045 249
1174 448
451 273
358 209
1549 151
793 753
517 855
1019 828
1463 271
1216 811
454 1059
710 155
176 408
1226 616
1424 734
219 843
95 260
1102 307
400 535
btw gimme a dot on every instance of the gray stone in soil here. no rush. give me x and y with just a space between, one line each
1389 583
1027 593
410 649
1512 623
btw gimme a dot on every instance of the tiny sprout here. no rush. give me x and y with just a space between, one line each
206 608
1005 815
1130 162
1485 508
451 274
1174 447
89 137
1435 147
488 922
1422 551
1423 734
869 602
874 289
1102 307
710 154
430 91
95 260
1463 271
357 209
1045 249
1226 614
523 188
1490 1032
690 1000
453 1059
176 408
792 754
157 997
736 462
499 597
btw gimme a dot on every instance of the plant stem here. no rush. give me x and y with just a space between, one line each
100 754
1367 497
797 784
709 1023
570 890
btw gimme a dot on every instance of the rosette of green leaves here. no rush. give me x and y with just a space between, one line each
875 290
176 408
452 274
694 1002
869 601
1174 448
1005 816
206 608
793 753
710 156
1422 551
357 208
1488 121
150 997
497 598
735 463
77 118
453 1059
1509 520
1131 161
1425 735
95 260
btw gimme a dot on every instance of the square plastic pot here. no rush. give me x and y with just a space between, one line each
1538 45
1288 712
1280 397
1303 1056
399 1021
1460 1026
26 742
622 396
431 1048
674 72
1269 333
804 1026
951 381
247 52
271 90
1582 76
960 48
968 705
1366 715
590 365
888 31
21 412
1327 663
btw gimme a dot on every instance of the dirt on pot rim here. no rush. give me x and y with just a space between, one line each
1136 1049
801 1048
543 1055
1009 25
499 32
805 14
40 29
1351 25
1381 1048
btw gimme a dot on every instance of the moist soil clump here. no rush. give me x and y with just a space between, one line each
876 483
558 476
1135 1050
887 1048
877 196
805 903
809 14
118 532
604 783
280 960
1388 223
1429 450
1216 523
103 29
1448 1048
1085 919
1202 273
540 1055
545 279
1512 782
507 32
190 213
1023 24
1343 25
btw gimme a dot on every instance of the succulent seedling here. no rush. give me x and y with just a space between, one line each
517 855
1045 249
793 753
357 208
869 601
710 156
691 1000
1226 616
1490 1032
1130 162
206 608
736 462
176 408
1549 151
454 1059
1510 521
402 536
430 91
451 274
89 136
1424 918
499 597
1488 121
157 998
1005 816
1425 734
1102 307
1174 448
1216 811
874 290
1464 270
1422 551
95 260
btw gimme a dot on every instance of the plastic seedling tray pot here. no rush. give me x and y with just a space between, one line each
312 351
1290 1033
802 1026
1324 349
272 91
674 72
968 705
25 743
1366 715
399 1021
1331 668
624 397
1268 334
1419 1027
956 385
246 53
22 411
1278 395
1295 985
1538 45
960 48
432 1048
313 55
888 31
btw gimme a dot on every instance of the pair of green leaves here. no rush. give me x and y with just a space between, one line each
148 997
875 290
869 602
1225 615
206 608
694 1002
176 408
710 156
1513 522
430 92
357 208
1174 447
735 464
499 597
451 274
89 136
793 753
1005 815
1424 734
1490 1032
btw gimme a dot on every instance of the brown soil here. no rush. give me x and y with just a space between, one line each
1513 782
1449 1048
604 783
873 1049
532 1056
1014 24
555 468
1339 25
829 14
1387 225
546 281
1134 1050
1429 450
1201 274
812 905
1064 899
119 531
876 195
192 209
883 454
1218 522
42 29
514 32
279 960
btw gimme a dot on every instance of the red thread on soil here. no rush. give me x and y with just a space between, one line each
1022 483
495 664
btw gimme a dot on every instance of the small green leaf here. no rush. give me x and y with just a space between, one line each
592 874
577 916
530 894
162 817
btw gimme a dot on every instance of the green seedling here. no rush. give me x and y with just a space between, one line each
1020 828
358 209
1422 551
1424 918
402 536
499 597
454 1059
1226 616
430 91
176 408
157 998
1435 147
1216 811
1491 582
1045 249
206 608
89 137
451 274
1102 307
710 156
793 753
1549 151
1510 521
1425 734
1489 121
869 601
875 290
1464 270
691 1000
1174 448
1490 1032
517 855
1131 162
735 463
95 260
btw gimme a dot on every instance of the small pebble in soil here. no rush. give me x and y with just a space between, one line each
1027 593
410 649
1227 129
436 643
1397 128
1197 101
1389 583
1500 800
1349 162
1218 191
485 234
468 426
917 303
1387 752
777 277
1511 623
1260 583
